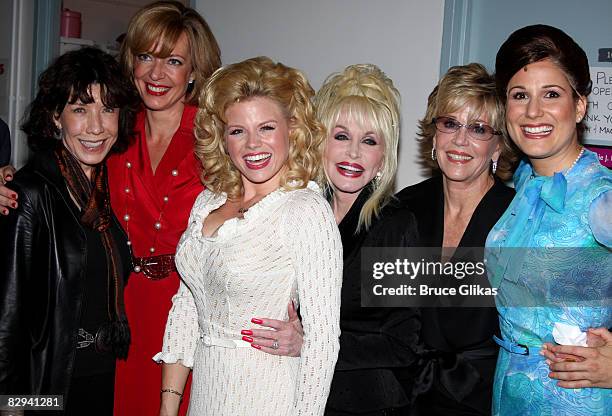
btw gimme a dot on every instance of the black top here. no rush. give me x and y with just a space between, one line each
5 144
43 277
373 340
94 309
459 368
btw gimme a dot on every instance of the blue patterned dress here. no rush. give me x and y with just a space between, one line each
567 279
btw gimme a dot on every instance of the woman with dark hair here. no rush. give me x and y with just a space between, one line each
168 52
549 253
65 257
462 140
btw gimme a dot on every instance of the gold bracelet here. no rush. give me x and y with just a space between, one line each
171 391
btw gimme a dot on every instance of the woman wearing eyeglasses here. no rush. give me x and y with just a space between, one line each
461 139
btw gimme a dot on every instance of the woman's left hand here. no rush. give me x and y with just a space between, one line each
284 337
579 367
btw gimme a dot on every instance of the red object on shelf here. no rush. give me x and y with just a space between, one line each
71 24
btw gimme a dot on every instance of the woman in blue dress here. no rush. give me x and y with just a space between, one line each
549 253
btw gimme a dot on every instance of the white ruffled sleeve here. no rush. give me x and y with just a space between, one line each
182 331
316 248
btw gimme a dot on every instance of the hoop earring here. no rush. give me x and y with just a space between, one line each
494 166
433 153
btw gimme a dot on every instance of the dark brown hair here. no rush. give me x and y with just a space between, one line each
69 79
535 43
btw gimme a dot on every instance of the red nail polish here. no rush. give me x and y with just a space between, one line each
246 332
5 211
14 204
257 321
257 347
247 339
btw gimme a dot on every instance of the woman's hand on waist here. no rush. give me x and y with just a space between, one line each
580 367
284 337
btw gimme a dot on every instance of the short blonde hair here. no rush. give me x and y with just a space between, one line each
257 77
364 93
161 24
461 86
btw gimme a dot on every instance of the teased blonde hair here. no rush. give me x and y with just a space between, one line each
365 94
257 77
160 24
468 85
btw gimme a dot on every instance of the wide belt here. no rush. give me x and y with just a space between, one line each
155 267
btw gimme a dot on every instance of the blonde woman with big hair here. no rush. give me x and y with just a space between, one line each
359 108
260 236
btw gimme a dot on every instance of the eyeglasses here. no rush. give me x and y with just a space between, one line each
477 131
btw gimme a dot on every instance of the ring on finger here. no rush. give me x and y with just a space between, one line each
275 345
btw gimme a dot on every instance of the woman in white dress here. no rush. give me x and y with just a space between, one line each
261 235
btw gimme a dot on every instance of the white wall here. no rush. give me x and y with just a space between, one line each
402 37
103 20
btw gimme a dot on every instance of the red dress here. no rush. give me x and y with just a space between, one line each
153 209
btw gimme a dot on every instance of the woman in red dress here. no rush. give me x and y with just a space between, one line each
169 52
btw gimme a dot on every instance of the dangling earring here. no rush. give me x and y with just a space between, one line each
494 166
433 153
378 175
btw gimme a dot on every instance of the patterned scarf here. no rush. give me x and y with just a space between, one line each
93 198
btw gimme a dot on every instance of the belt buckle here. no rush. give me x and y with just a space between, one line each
155 267
87 339
525 347
99 340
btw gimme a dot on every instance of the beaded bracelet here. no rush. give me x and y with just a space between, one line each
171 391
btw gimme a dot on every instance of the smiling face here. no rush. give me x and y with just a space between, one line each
89 130
353 155
462 158
162 82
542 113
257 141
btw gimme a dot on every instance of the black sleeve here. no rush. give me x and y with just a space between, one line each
394 345
395 342
18 233
5 144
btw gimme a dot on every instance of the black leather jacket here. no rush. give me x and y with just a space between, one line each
43 257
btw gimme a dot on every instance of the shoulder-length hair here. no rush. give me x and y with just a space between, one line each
69 79
239 82
159 25
467 85
365 94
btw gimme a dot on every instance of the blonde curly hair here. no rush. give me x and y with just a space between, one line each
239 82
364 93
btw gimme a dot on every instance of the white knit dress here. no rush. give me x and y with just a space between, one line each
286 247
